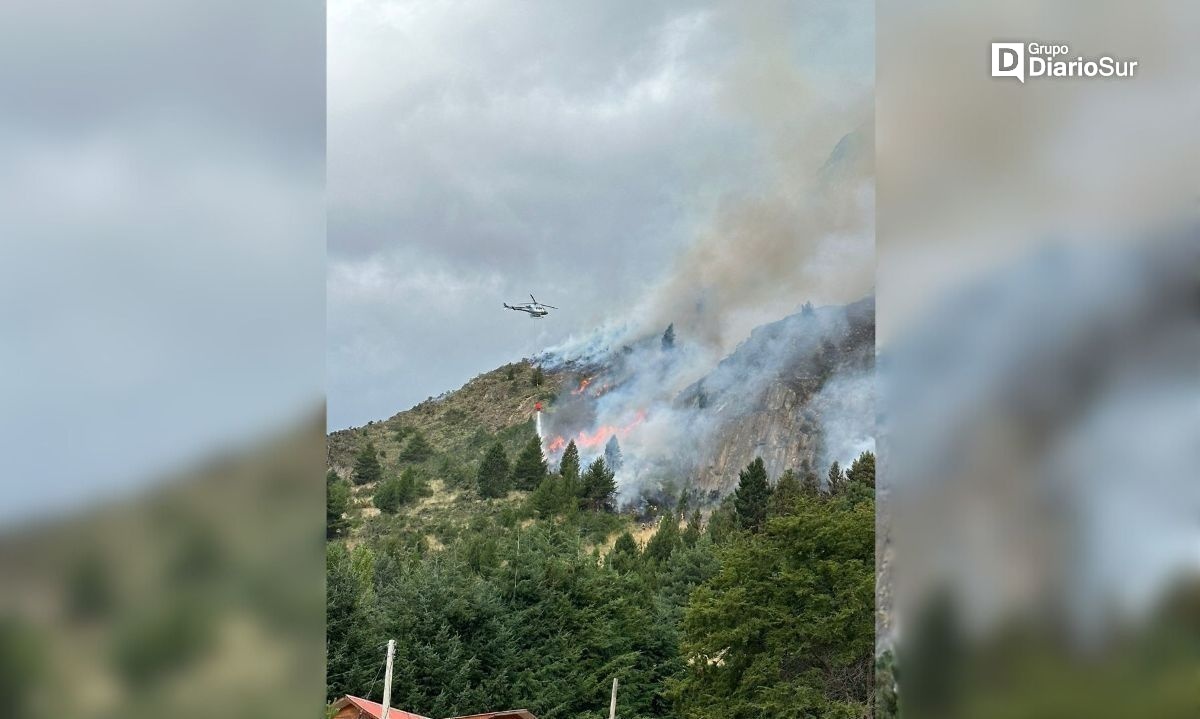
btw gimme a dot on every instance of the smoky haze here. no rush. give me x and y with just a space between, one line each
803 231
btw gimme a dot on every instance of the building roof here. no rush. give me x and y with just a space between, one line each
507 714
374 710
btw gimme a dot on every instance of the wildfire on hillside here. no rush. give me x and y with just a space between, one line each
602 389
583 385
597 437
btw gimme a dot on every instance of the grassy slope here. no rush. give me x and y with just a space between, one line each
460 426
462 423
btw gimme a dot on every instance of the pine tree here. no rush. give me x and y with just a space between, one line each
823 552
389 495
337 502
682 504
530 467
418 449
538 377
723 522
787 492
752 496
668 338
350 658
810 483
862 470
599 486
624 556
612 454
568 466
691 534
836 478
396 492
665 540
492 480
366 466
552 497
859 481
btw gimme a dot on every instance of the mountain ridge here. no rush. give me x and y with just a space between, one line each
774 395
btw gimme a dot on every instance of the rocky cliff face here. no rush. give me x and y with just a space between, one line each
798 393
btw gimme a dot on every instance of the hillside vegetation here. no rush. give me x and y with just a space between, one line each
462 423
507 582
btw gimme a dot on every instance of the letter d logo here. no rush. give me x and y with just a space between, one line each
1008 60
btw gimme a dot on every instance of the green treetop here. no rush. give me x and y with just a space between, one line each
787 492
337 502
492 480
568 466
752 496
530 467
366 465
599 486
418 449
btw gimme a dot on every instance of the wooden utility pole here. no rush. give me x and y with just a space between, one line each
387 680
612 705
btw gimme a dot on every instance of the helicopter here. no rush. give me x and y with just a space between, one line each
536 309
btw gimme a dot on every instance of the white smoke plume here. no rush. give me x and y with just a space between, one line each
672 407
807 232
802 231
846 407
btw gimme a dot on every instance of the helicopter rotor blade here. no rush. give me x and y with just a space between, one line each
550 306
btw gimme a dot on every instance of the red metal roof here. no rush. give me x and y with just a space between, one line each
374 710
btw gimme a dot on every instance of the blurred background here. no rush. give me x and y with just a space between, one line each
162 341
1038 275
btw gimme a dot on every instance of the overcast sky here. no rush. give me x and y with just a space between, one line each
480 151
162 225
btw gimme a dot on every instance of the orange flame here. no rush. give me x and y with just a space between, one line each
582 386
598 436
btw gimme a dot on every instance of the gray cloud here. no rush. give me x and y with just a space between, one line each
163 217
575 152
